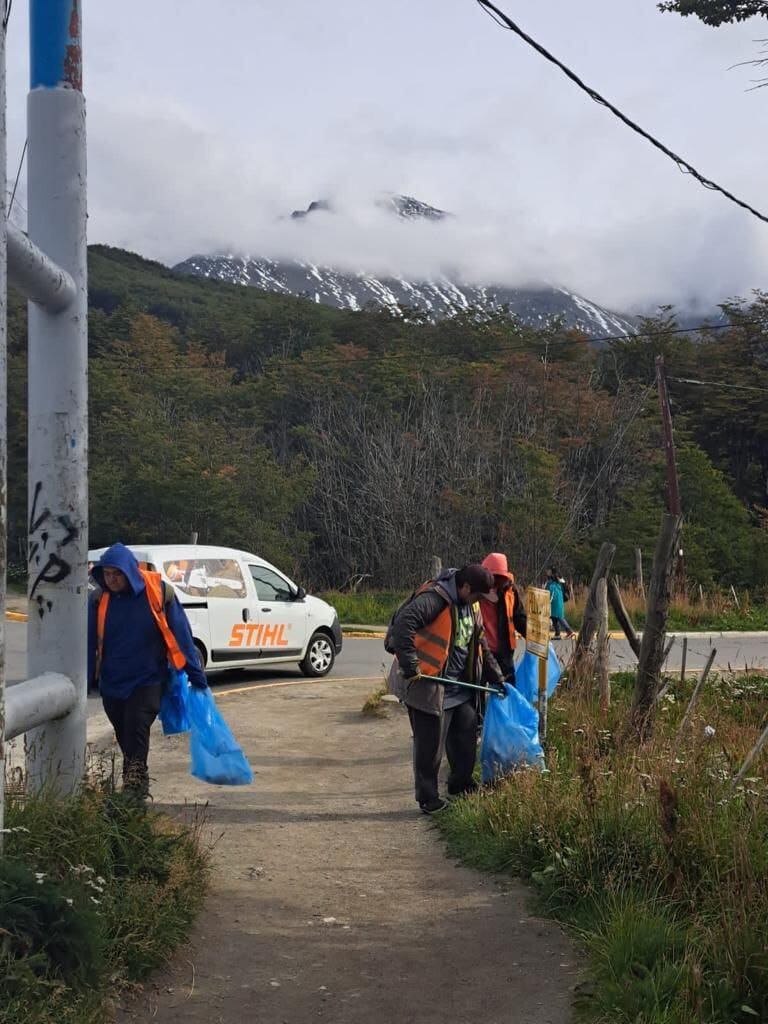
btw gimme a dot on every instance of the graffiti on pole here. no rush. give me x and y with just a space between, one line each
49 535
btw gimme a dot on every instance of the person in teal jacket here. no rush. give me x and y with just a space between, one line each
556 587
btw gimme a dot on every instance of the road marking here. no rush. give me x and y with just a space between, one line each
299 682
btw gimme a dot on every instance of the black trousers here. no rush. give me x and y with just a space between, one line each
132 719
453 733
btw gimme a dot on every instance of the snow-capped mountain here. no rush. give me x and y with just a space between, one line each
440 296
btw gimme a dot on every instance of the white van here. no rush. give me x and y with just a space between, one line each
243 611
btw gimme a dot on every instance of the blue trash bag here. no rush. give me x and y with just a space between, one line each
527 675
215 753
510 735
173 714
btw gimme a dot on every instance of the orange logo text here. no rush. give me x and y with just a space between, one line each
258 634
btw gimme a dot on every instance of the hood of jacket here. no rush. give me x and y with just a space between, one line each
119 557
446 581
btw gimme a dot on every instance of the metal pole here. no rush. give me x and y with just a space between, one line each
3 413
58 397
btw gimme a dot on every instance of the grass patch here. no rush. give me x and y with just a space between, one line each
374 705
95 893
714 611
650 855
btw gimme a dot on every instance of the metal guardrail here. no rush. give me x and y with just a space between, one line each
36 701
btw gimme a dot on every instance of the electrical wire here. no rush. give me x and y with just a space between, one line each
18 175
531 348
504 21
718 384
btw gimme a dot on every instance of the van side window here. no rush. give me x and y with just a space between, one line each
270 586
206 577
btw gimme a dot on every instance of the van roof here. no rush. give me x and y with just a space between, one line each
162 552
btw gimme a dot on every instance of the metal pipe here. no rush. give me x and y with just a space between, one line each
36 702
36 276
3 412
58 398
467 686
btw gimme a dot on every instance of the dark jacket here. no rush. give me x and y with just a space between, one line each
416 613
134 651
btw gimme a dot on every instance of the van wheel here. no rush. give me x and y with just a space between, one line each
201 656
320 656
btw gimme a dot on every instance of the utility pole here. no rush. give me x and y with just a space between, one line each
3 411
674 505
58 392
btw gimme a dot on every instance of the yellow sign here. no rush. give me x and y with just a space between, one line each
538 611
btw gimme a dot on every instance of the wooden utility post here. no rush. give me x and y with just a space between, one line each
674 504
652 652
639 570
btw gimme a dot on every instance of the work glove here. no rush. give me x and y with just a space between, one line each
198 680
414 678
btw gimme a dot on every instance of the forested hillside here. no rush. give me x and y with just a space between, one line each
338 443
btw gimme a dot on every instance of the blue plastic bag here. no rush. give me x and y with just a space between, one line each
510 735
173 714
215 753
527 675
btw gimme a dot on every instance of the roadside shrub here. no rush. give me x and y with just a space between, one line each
95 892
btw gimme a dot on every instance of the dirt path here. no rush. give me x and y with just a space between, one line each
332 899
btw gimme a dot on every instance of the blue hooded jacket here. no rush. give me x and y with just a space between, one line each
134 651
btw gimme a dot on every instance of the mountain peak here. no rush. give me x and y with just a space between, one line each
406 207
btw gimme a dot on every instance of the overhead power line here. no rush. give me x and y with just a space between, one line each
18 175
504 21
718 384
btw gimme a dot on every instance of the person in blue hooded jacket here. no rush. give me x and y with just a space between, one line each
136 627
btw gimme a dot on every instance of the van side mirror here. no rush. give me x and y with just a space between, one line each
300 594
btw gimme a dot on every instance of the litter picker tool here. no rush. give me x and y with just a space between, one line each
468 686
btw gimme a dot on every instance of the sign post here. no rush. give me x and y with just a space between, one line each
537 606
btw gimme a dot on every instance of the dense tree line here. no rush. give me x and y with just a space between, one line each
339 443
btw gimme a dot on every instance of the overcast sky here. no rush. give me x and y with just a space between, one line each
208 120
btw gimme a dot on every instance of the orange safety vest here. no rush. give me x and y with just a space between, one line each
156 598
433 641
509 601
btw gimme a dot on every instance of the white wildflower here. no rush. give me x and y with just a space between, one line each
40 877
69 902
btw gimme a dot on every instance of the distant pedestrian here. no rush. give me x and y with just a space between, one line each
558 593
503 614
439 632
136 627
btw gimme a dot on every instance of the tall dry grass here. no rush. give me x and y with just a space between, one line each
658 862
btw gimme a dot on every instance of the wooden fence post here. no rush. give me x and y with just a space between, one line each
601 654
652 648
583 660
614 596
639 570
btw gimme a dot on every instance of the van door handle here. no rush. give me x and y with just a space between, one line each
266 610
246 615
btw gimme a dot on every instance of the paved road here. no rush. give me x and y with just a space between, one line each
366 659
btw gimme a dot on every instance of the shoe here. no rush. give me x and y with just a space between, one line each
434 807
